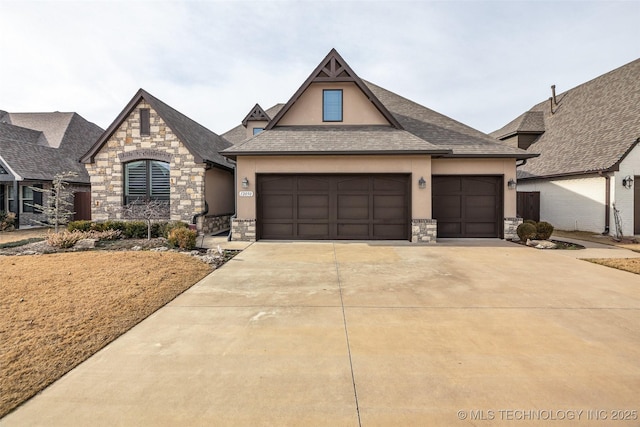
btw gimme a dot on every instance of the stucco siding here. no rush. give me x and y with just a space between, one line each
219 191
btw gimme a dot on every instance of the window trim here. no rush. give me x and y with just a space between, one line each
324 111
26 204
145 122
127 199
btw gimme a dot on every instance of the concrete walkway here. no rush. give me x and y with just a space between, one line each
381 334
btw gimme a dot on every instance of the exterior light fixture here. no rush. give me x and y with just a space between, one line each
422 183
627 182
512 184
245 182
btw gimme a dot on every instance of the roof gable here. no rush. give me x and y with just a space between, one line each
202 143
334 69
256 114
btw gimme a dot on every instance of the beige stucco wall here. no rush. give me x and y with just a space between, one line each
251 124
505 167
357 109
417 166
218 190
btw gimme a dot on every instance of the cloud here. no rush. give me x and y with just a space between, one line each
482 63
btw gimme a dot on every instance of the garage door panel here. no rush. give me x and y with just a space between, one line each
353 231
313 206
353 207
277 230
353 184
278 206
313 184
468 206
277 184
333 206
312 231
447 207
446 185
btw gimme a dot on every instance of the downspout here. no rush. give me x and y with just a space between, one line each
607 202
235 200
16 203
194 220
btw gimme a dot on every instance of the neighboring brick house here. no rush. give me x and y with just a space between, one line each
152 151
34 147
589 159
346 159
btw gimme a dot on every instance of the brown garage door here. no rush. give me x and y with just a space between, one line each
468 206
333 207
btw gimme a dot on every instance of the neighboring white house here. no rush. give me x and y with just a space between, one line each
589 160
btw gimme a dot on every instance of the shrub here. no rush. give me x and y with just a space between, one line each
65 239
526 231
170 226
544 230
135 229
7 221
183 238
529 221
103 235
79 225
113 225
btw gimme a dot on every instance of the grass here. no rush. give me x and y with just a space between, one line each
57 310
627 264
22 242
22 234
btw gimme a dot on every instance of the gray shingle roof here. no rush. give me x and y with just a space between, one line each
592 129
239 133
333 140
204 144
528 122
28 153
424 131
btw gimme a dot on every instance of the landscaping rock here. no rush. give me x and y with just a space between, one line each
541 244
136 248
85 244
160 249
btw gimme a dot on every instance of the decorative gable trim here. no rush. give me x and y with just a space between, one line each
334 68
256 114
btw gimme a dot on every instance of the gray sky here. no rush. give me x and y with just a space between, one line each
479 62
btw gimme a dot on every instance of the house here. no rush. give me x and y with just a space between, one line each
34 147
589 159
153 152
346 159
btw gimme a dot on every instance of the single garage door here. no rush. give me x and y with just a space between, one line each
370 207
468 206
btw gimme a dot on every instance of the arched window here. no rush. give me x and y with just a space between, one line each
146 180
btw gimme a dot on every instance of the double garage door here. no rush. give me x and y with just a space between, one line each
365 207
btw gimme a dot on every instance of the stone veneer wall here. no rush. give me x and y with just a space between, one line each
424 230
243 230
216 223
510 227
107 172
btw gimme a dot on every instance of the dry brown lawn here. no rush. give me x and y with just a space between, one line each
22 234
627 243
57 310
627 264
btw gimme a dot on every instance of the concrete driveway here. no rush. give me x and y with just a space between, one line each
348 334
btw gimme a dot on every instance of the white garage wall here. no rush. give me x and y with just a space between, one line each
623 197
571 204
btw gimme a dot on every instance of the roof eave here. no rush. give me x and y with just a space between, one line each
235 154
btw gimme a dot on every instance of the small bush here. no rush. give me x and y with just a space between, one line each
65 239
104 235
529 221
183 238
526 231
114 225
544 230
79 225
135 230
7 221
170 226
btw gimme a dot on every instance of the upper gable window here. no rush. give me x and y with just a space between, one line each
257 130
332 105
145 122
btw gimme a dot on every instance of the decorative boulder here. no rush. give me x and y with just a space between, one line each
85 244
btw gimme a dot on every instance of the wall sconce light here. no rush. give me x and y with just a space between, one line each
245 182
422 183
512 184
627 182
